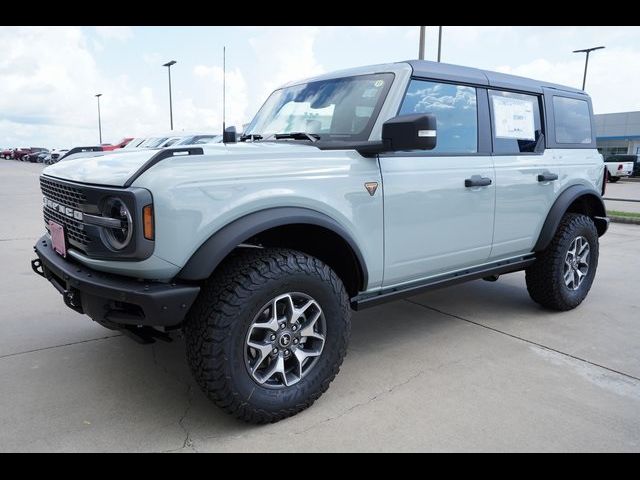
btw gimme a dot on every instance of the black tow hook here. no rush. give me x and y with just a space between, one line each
72 300
36 266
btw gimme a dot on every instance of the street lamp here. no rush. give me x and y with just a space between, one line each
421 45
98 95
168 65
586 61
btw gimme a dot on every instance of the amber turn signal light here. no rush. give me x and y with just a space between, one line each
147 216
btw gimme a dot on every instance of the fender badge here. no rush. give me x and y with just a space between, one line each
371 187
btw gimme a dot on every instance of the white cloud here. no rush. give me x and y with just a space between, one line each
49 79
283 54
611 77
49 75
115 33
206 111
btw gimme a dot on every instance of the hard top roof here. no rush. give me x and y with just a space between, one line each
447 71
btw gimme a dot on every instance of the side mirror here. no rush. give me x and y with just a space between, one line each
229 135
410 132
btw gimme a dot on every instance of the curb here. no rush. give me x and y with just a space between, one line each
630 220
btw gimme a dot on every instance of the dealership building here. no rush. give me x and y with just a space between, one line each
618 133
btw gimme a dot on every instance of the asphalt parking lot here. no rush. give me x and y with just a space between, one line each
477 367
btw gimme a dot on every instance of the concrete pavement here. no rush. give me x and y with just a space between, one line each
477 367
623 189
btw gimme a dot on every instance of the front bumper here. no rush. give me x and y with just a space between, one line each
113 299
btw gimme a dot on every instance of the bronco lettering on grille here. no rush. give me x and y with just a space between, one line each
63 209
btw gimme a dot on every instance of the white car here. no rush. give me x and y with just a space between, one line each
617 169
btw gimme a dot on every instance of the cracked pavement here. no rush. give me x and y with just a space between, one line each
477 367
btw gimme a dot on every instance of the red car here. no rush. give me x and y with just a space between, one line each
122 144
6 153
21 152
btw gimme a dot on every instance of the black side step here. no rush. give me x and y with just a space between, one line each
506 266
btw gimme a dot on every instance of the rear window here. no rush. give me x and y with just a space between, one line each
572 120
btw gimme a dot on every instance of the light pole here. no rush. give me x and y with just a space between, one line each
98 95
421 46
586 61
168 65
439 41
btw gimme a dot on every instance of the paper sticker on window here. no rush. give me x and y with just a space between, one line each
513 118
370 93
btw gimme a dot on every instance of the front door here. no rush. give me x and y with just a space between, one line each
433 222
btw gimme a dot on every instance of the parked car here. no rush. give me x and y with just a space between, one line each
54 155
135 143
41 157
121 144
21 153
81 151
199 139
619 166
154 143
6 153
160 141
623 159
34 155
346 191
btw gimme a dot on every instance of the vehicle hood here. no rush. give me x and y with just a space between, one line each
114 169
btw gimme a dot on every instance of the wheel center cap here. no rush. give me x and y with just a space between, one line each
285 340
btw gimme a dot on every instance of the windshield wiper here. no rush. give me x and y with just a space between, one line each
298 136
250 136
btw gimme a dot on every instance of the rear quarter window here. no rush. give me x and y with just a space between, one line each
572 120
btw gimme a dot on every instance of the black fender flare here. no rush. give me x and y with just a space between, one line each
209 255
560 207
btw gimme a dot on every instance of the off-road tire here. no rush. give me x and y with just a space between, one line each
217 325
544 278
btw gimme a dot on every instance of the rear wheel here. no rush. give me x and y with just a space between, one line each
268 333
562 275
613 179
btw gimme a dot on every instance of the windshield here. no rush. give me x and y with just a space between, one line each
335 109
153 142
201 139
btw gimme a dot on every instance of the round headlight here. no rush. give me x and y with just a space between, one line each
118 238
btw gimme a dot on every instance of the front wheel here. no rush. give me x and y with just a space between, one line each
268 333
562 274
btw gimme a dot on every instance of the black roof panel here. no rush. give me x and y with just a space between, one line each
446 71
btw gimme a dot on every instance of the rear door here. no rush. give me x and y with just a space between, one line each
528 175
433 223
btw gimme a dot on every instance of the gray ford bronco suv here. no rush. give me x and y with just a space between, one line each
346 190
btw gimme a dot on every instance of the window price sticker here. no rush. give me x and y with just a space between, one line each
513 118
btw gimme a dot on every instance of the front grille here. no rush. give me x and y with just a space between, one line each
73 204
69 196
65 194
73 228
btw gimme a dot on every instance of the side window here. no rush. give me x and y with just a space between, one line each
455 109
517 125
572 119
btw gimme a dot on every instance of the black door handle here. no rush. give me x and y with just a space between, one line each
477 181
547 177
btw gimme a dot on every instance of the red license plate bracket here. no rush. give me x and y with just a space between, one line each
57 238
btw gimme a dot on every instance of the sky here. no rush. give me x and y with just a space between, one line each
49 75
